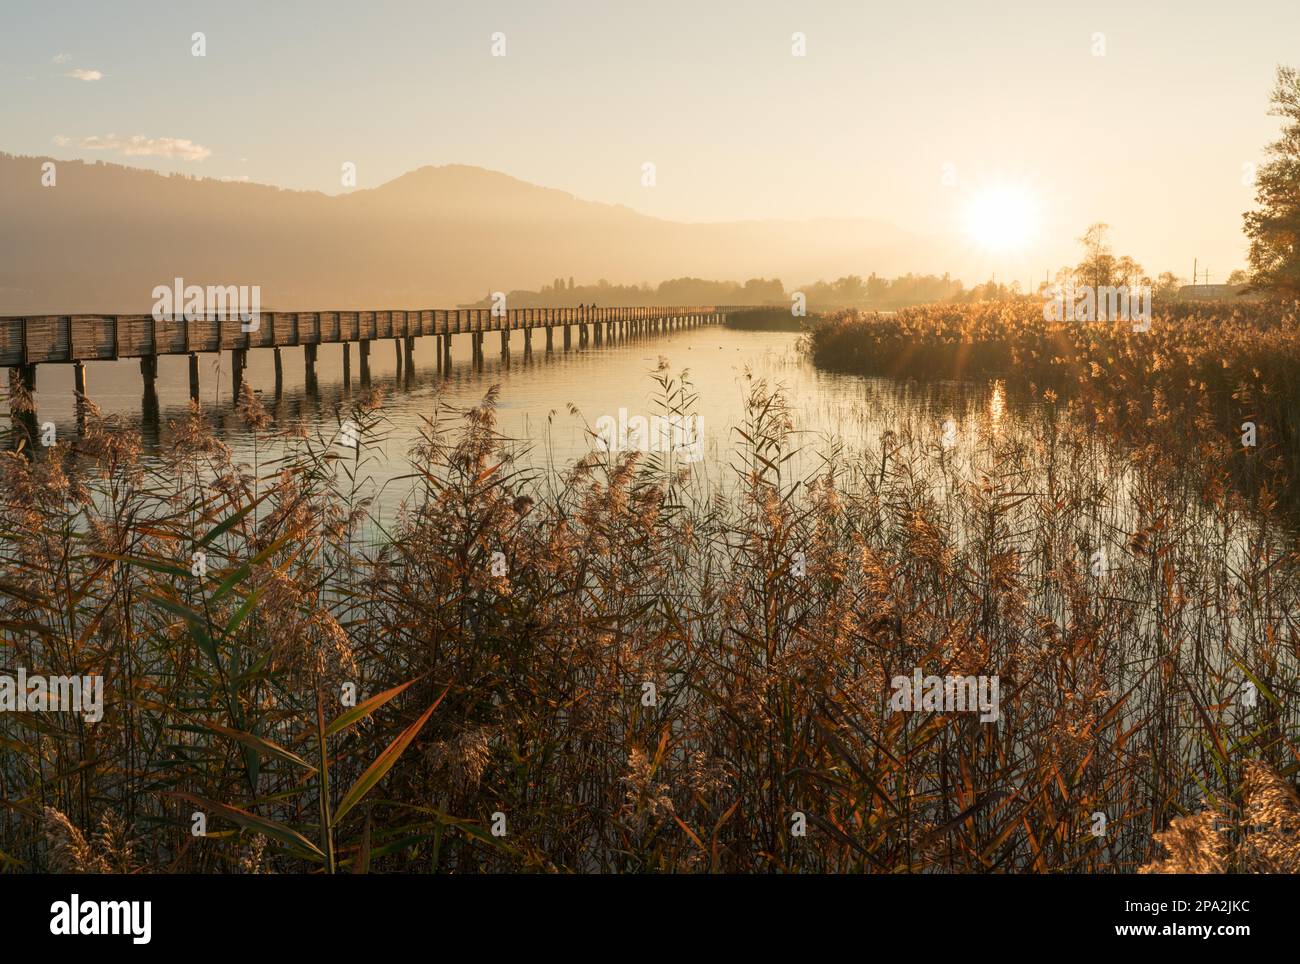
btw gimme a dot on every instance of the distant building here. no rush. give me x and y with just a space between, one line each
1213 293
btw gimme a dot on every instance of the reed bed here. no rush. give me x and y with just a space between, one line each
608 668
1195 378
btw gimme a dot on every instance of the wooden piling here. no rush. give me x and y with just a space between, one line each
238 356
24 418
79 395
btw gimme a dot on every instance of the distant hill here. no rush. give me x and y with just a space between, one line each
106 234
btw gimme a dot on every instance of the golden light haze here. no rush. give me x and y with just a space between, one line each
1144 116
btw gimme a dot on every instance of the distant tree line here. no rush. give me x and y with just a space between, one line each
873 293
1101 267
563 293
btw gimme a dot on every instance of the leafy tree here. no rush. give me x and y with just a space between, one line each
1274 229
1098 262
1100 267
1167 285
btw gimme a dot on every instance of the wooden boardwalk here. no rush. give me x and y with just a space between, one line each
44 339
31 340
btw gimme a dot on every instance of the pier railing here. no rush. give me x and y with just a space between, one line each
44 339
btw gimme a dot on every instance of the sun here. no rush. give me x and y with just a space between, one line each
1002 218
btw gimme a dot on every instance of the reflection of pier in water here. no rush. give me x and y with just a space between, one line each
29 341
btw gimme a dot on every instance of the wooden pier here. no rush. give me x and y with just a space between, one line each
29 341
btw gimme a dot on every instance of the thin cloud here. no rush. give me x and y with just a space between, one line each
87 75
60 58
141 146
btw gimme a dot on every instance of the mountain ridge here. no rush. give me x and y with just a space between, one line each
107 233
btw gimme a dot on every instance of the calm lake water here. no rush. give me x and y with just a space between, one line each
536 392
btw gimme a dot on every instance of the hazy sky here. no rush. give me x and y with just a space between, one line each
1151 137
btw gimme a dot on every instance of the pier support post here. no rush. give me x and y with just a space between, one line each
149 371
505 341
550 337
446 352
309 364
568 337
347 365
397 351
194 376
149 403
528 341
79 397
24 420
410 355
363 351
237 358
